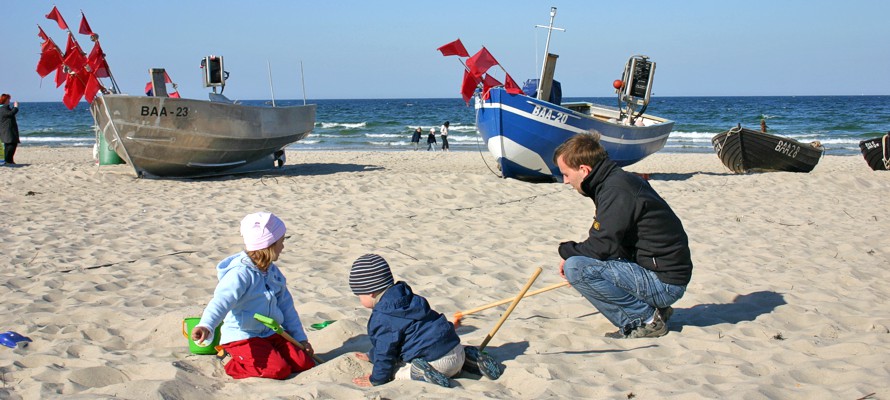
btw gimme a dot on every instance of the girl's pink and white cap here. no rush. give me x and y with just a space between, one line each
261 230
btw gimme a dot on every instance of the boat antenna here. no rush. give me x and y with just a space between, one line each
302 82
270 82
550 30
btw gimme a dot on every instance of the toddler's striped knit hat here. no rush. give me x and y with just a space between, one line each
370 273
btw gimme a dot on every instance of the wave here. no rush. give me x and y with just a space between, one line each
344 125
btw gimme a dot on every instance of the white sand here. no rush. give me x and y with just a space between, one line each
789 297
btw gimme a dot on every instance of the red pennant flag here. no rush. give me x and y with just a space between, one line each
481 62
167 78
92 88
55 15
97 62
84 25
455 48
468 86
50 58
74 57
61 75
489 82
74 89
174 95
511 86
41 34
149 89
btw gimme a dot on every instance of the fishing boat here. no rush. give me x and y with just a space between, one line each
523 130
877 152
744 150
165 136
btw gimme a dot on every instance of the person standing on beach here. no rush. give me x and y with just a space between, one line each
444 134
250 283
9 128
431 140
636 261
763 125
415 138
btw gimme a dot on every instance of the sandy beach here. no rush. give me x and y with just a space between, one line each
788 298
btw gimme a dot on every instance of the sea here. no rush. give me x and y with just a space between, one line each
838 122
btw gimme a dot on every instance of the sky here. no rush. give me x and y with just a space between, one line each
387 49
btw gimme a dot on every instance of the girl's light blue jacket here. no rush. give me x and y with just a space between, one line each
244 290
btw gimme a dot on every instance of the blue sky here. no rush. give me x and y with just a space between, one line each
387 49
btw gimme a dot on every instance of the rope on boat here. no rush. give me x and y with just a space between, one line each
479 147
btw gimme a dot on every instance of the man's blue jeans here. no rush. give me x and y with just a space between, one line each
624 292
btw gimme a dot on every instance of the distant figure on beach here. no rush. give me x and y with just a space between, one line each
249 283
415 138
431 140
636 261
444 134
9 128
763 125
409 340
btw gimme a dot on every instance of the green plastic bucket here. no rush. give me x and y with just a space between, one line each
190 323
107 156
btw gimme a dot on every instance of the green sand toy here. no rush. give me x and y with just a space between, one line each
275 326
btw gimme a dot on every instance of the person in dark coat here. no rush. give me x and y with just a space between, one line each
409 340
9 128
636 261
415 138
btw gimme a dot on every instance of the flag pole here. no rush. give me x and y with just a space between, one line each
303 82
272 88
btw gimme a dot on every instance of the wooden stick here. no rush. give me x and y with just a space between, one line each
510 310
460 314
299 345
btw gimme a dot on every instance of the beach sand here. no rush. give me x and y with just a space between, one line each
789 296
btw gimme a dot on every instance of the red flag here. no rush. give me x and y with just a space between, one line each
489 82
455 48
50 58
74 57
174 95
55 15
149 90
481 62
84 25
468 86
511 86
92 88
74 89
97 62
42 34
167 78
61 75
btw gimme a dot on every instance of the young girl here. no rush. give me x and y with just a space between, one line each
250 283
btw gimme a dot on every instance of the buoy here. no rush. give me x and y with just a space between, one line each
618 84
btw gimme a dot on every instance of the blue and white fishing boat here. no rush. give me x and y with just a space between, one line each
523 130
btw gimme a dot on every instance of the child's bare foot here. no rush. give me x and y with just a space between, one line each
362 356
363 381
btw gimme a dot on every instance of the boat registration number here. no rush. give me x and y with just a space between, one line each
549 114
148 111
788 149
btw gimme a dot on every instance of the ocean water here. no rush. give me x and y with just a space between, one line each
839 122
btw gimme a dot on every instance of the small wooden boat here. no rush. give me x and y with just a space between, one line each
877 152
744 150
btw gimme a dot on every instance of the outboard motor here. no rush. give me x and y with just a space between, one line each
214 74
635 87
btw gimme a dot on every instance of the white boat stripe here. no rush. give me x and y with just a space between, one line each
570 128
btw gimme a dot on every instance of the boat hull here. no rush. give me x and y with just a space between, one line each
745 150
876 152
523 132
172 137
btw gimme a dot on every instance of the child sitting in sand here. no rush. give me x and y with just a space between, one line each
408 339
250 283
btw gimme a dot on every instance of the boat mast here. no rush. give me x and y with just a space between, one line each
550 30
302 82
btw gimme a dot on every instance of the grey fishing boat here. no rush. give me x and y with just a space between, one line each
165 136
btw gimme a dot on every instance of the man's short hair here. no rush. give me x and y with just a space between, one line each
581 149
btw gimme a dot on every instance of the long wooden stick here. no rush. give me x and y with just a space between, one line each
510 310
299 345
460 314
